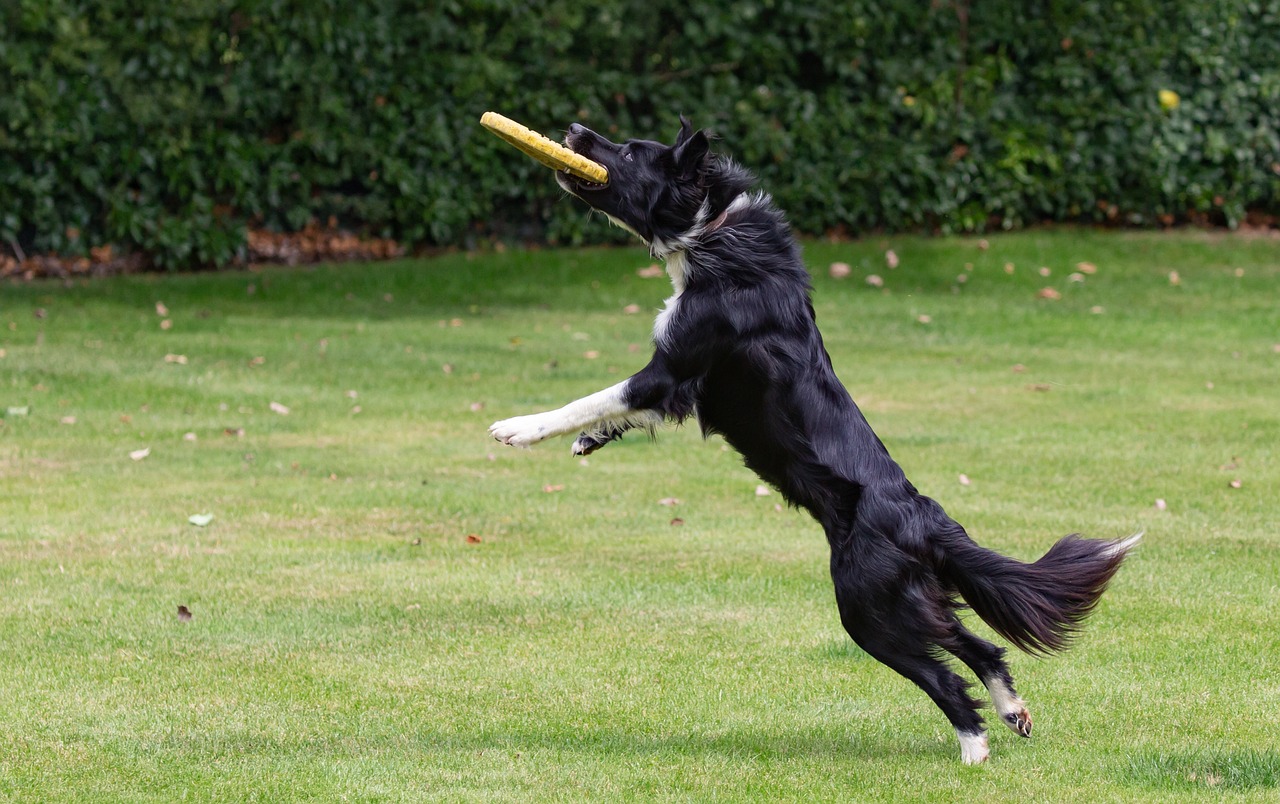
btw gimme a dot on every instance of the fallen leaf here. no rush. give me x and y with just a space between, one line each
924 319
234 432
1235 484
1239 272
352 394
875 281
473 539
591 354
200 520
762 491
139 454
276 407
961 278
552 489
1040 386
839 270
184 614
40 312
189 437
1048 293
166 324
891 259
68 420
1075 277
1174 278
257 361
1086 268
447 368
1008 267
476 407
1161 504
161 310
1227 467
677 521
964 480
631 309
983 245
668 501
651 272
181 360
1018 368
455 322
1097 309
1044 270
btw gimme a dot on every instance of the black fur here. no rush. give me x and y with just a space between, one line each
739 349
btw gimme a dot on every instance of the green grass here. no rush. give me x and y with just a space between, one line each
349 643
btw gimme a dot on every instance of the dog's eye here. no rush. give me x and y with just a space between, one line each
628 156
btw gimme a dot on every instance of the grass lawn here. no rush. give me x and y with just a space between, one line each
389 606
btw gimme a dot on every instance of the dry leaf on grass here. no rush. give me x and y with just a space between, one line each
891 259
1086 268
184 614
839 270
200 520
668 501
553 488
1049 293
651 272
473 539
677 521
964 480
276 407
762 491
139 454
875 280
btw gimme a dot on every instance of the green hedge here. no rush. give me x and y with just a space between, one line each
170 127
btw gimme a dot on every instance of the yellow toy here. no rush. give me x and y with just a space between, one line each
552 154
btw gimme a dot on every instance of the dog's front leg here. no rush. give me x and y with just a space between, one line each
601 412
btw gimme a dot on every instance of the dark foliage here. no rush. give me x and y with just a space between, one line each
170 129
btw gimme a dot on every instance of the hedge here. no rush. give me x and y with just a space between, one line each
172 128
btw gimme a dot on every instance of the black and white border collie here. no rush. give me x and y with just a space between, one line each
737 346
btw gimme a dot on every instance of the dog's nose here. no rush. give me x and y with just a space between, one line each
576 129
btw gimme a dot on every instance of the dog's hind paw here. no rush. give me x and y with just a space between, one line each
973 748
1019 721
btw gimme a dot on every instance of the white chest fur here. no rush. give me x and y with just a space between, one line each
676 266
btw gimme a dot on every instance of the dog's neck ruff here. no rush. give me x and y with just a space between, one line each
673 252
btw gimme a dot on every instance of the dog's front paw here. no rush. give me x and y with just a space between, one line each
522 431
586 444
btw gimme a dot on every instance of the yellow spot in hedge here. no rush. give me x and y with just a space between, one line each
908 100
1169 99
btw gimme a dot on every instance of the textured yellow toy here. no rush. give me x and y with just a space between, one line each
552 154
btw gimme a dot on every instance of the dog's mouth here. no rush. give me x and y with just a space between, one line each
582 146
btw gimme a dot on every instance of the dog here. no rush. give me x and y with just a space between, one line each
737 346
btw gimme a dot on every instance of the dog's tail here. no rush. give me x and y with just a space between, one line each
1038 606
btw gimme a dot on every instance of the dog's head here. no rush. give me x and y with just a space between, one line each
654 190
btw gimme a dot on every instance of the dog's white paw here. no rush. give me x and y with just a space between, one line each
522 431
973 748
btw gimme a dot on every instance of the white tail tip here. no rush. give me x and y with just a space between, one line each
1125 545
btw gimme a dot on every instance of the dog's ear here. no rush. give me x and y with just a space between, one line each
690 151
686 131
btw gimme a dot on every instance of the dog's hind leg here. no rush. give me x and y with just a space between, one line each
901 618
987 661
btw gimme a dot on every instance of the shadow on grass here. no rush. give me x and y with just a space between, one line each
1204 770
